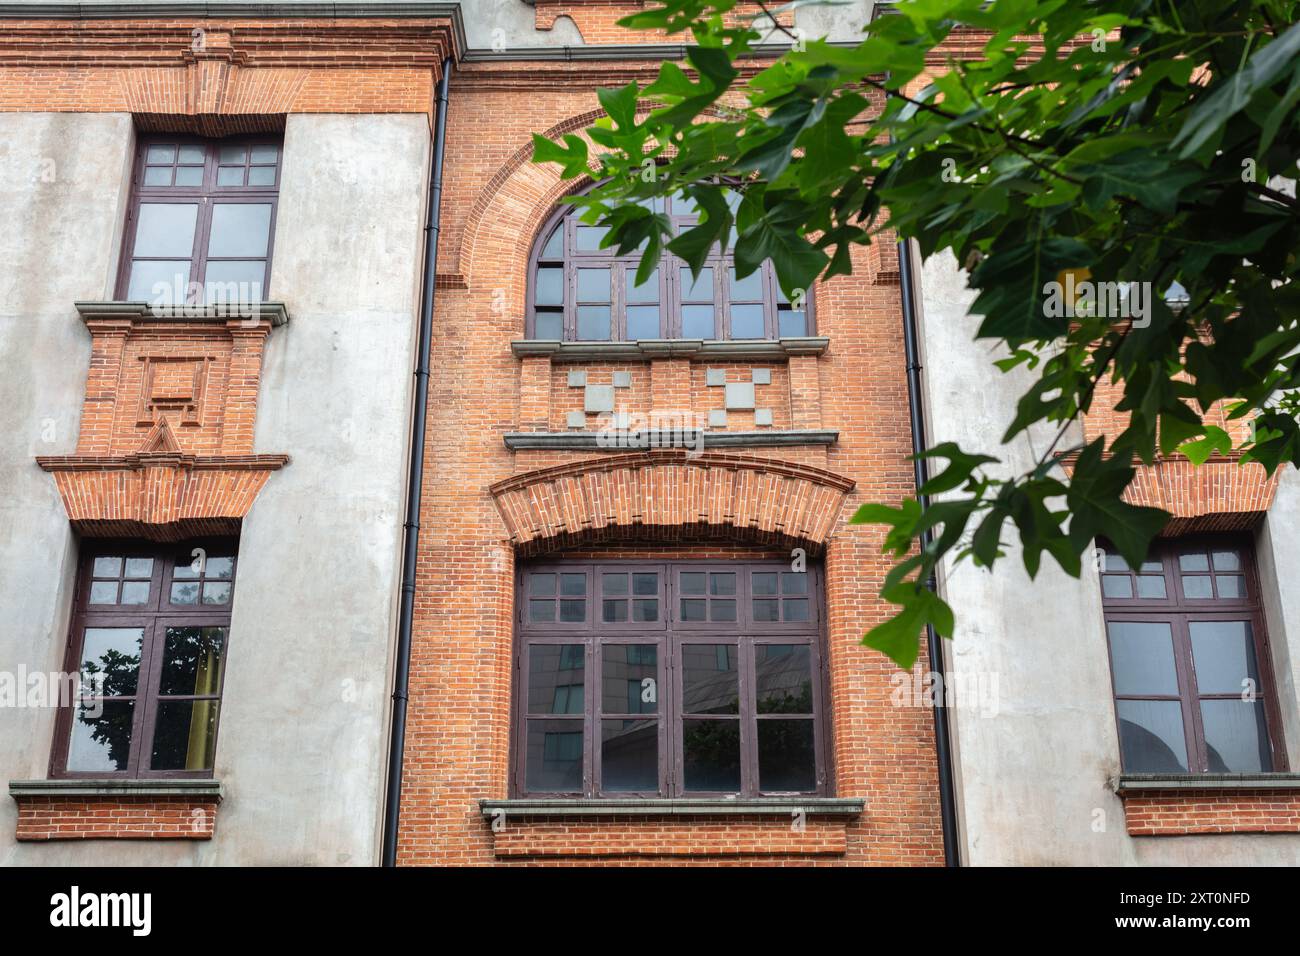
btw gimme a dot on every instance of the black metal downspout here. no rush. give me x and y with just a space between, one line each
916 408
414 488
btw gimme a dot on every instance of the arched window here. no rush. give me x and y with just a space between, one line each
580 292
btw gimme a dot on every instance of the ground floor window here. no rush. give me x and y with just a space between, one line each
149 639
669 679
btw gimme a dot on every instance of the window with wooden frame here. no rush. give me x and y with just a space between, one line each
1190 661
670 679
578 291
201 221
150 634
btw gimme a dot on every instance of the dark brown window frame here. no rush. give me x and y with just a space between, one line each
671 282
668 635
207 195
1179 611
154 617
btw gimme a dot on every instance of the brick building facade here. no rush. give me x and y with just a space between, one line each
619 654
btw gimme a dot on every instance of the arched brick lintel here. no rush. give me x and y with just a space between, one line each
1219 495
670 495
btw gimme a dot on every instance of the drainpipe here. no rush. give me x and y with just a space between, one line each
415 480
916 408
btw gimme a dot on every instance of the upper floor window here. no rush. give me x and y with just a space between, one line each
580 292
1189 659
684 679
201 221
150 635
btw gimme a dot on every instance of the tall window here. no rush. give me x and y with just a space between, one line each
1189 660
673 680
581 292
201 221
150 634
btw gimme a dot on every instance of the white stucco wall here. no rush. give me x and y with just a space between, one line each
1034 777
304 715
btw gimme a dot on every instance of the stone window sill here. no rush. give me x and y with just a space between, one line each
207 789
772 806
88 809
273 312
649 349
1147 782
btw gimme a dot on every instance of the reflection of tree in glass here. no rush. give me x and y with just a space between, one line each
192 660
712 751
118 673
787 703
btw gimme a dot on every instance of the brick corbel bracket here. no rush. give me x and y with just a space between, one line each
671 495
116 809
165 450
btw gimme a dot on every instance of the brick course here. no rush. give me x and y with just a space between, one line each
116 818
1186 812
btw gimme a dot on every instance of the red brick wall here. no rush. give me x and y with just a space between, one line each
116 818
1212 811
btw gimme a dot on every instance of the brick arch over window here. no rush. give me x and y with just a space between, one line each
512 207
670 495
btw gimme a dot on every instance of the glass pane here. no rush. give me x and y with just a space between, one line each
1231 585
573 612
107 567
645 610
747 322
261 176
188 566
103 592
134 592
593 285
550 287
185 592
692 582
541 612
791 323
697 289
553 760
645 583
1236 740
593 322
648 291
1224 655
137 567
189 175
192 661
615 584
1142 657
710 679
613 612
158 282
722 610
239 229
697 322
573 584
629 755
235 281
230 175
1226 561
554 248
783 678
100 741
794 582
796 609
110 659
158 176
161 154
590 237
763 582
786 756
191 154
629 679
767 609
233 154
541 585
1116 586
165 230
643 322
548 325
265 154
711 755
1150 586
219 566
185 735
694 609
1151 736
1197 586
1194 561
722 583
748 288
1115 563
551 668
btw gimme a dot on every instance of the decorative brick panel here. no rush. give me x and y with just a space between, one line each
696 838
116 817
1187 812
670 489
